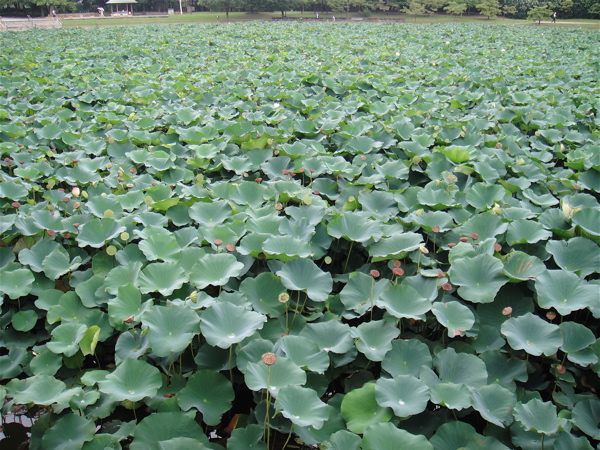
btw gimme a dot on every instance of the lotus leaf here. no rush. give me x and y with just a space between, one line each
406 357
374 339
210 393
331 336
381 436
360 409
302 406
495 404
564 291
132 380
40 390
157 428
532 334
69 432
304 275
451 395
460 368
225 324
171 329
215 270
405 394
539 416
454 316
586 416
479 278
162 277
283 373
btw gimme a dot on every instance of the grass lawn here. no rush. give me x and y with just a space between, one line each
214 17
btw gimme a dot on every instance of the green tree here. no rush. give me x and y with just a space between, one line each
455 8
345 5
539 13
490 8
432 6
415 8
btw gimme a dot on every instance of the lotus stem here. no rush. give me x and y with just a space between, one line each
230 369
348 257
267 421
288 437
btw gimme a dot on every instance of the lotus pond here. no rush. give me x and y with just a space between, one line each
339 236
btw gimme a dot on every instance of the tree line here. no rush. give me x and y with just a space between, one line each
532 9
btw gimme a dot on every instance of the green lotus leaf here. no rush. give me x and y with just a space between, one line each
503 370
406 357
161 277
68 309
131 345
171 328
486 225
586 416
66 338
11 364
395 247
161 427
564 291
16 282
252 351
510 296
90 340
263 292
40 390
123 275
304 353
576 337
456 154
34 256
305 275
588 219
521 266
132 380
302 406
283 373
455 316
247 438
24 320
57 263
354 226
525 231
539 416
342 440
479 278
436 196
374 339
495 404
403 301
96 232
160 246
225 324
215 270
210 393
405 394
69 432
453 435
209 214
45 363
430 219
286 248
385 436
331 336
574 255
127 303
451 395
360 409
362 292
102 442
482 196
566 441
460 368
532 334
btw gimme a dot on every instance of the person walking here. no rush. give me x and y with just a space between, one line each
554 17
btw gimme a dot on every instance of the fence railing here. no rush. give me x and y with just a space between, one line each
21 23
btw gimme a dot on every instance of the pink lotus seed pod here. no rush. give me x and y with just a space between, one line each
398 271
447 286
269 358
507 311
218 242
375 273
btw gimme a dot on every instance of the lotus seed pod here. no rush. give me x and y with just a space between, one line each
269 358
